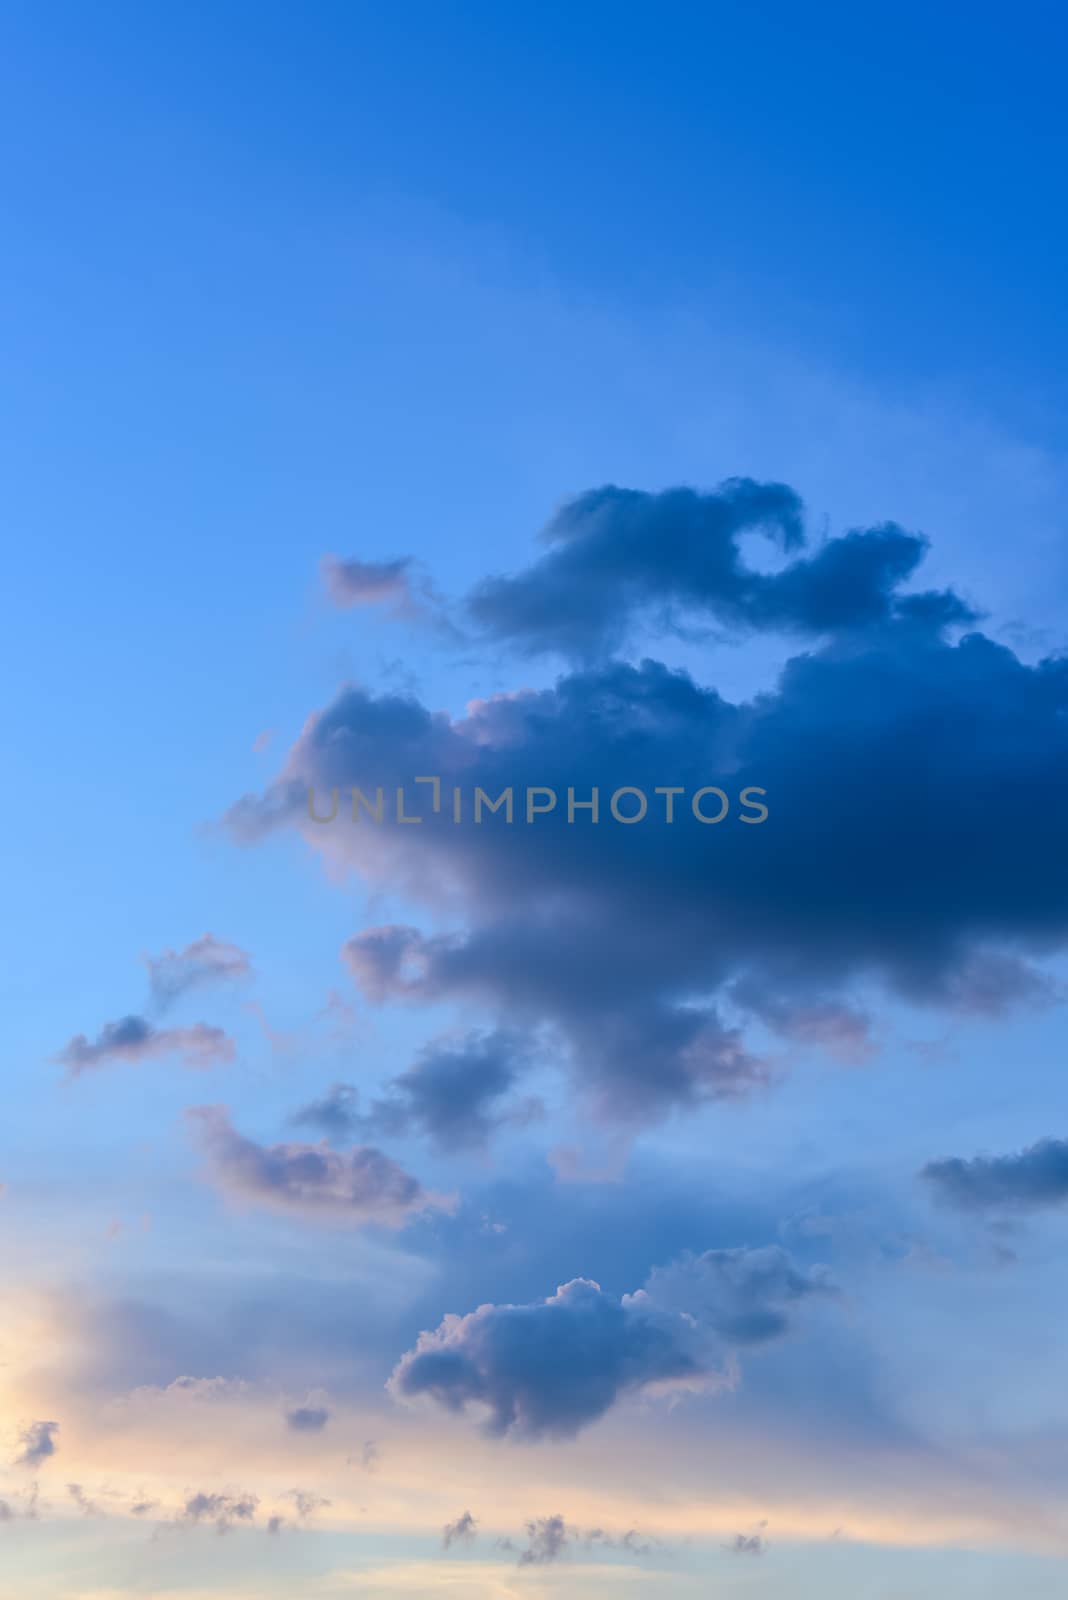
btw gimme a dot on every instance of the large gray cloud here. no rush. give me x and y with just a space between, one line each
1031 1180
352 1186
133 1039
555 1366
914 788
617 555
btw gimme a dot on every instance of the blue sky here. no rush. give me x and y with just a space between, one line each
408 285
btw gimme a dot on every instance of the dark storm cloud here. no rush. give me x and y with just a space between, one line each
619 555
353 1186
915 789
206 961
133 1039
553 1367
1032 1180
37 1444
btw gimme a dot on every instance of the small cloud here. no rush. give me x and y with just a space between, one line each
37 1444
547 1538
307 1502
1030 1180
206 961
747 1544
88 1508
367 583
133 1039
224 1510
308 1419
463 1531
335 1114
262 740
356 1186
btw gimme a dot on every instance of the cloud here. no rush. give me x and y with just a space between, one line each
747 1544
644 950
224 1510
308 1419
37 1444
355 1186
307 1502
206 961
133 1039
452 1092
463 1531
1031 1180
547 1538
367 583
335 1114
553 1367
620 555
88 1507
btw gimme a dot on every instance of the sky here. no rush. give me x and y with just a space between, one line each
662 405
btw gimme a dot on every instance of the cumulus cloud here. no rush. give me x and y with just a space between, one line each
619 555
1031 1180
553 1367
354 1186
463 1531
206 961
37 1444
892 758
133 1039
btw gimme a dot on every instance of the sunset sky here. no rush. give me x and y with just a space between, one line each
534 398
